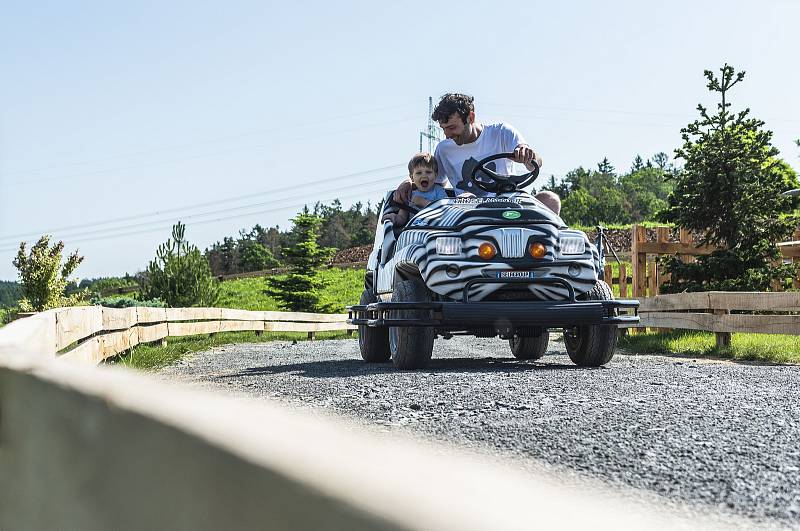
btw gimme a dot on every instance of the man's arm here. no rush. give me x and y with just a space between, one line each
403 192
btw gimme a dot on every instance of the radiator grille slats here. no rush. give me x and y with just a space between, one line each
512 243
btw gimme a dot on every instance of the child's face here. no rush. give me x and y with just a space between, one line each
423 177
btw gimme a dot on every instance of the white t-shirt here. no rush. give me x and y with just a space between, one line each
456 162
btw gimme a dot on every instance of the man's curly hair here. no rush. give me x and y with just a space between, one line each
450 103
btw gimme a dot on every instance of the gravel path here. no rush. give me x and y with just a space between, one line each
719 434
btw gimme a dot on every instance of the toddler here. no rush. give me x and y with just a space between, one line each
422 170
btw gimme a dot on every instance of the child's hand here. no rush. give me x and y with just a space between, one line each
420 201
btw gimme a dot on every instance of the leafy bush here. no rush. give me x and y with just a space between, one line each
43 278
126 302
301 289
179 275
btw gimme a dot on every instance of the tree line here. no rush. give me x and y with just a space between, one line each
259 248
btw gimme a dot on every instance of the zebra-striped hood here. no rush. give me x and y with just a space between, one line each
455 212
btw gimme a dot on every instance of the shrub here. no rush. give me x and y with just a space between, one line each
179 275
43 278
126 302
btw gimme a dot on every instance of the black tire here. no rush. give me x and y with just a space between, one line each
529 348
373 341
411 346
592 345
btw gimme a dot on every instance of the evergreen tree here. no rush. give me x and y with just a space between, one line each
605 167
661 160
179 275
638 164
729 192
300 290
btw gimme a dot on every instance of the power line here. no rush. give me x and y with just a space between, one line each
206 156
282 128
114 230
199 205
166 226
583 120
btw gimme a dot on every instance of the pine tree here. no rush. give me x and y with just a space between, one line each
300 290
638 164
179 275
729 192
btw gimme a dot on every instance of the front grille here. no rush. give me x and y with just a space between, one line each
512 243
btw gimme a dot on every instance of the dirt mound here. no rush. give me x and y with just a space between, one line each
353 254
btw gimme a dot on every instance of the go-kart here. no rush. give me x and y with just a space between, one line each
502 266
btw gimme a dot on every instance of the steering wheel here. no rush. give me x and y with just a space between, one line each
502 183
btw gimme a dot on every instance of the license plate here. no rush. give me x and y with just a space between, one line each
514 274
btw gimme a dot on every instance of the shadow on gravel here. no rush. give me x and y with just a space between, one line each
356 367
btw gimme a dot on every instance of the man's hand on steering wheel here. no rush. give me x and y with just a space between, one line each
524 155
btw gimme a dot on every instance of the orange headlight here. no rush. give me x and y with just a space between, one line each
487 251
537 250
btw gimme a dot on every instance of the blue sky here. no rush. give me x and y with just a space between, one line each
129 112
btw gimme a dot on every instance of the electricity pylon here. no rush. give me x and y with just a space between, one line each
432 132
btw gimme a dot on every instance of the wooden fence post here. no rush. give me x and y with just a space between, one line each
662 236
723 338
638 262
796 280
686 240
623 281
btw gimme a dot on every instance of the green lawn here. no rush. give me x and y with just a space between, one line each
755 347
343 290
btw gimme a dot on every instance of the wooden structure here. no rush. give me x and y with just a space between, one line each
724 312
646 275
92 334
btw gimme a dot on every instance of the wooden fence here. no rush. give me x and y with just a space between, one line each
724 312
646 274
93 333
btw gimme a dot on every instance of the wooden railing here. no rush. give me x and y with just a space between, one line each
647 275
713 311
92 334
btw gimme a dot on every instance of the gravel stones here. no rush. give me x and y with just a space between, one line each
720 434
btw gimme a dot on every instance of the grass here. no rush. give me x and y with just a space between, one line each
771 348
344 289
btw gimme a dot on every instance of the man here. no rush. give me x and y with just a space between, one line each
467 142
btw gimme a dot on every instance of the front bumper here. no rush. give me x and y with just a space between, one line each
500 315
496 314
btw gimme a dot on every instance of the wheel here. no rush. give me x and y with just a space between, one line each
372 341
592 345
529 348
411 346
